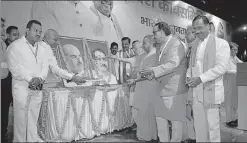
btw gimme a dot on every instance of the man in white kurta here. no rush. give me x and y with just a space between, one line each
50 38
208 63
231 95
26 63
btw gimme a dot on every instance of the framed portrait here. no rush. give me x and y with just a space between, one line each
69 46
98 51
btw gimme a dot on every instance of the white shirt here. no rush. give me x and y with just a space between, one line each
222 61
22 61
51 62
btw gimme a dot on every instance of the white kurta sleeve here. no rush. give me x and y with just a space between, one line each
52 62
221 66
15 67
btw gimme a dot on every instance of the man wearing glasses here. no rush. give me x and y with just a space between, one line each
170 102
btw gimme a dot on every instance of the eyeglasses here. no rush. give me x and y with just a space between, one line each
106 3
100 59
154 32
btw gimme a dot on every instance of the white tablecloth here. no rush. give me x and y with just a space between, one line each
73 114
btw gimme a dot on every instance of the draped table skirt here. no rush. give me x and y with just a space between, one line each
85 112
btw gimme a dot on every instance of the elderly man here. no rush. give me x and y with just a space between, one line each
51 37
133 61
74 63
170 102
142 109
188 129
208 63
76 19
231 95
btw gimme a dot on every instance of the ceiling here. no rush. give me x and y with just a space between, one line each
233 12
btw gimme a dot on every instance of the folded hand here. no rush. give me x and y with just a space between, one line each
35 82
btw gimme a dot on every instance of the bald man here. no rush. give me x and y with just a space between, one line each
188 128
51 37
74 64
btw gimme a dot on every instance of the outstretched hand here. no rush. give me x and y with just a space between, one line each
78 79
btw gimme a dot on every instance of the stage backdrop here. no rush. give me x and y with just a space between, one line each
133 19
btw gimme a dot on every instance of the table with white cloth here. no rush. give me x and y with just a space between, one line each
69 114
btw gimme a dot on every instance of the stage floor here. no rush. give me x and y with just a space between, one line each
227 134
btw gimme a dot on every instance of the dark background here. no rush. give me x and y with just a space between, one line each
232 11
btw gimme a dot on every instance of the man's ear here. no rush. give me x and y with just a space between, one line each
8 35
27 30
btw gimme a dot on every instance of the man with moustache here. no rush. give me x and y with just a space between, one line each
101 70
12 35
26 63
170 72
125 52
74 64
208 63
114 63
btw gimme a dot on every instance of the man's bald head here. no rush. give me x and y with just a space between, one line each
148 43
137 47
51 36
189 36
73 58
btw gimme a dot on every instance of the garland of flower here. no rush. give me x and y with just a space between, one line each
96 127
45 109
112 114
71 100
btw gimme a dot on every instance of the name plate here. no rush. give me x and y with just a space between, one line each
242 74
